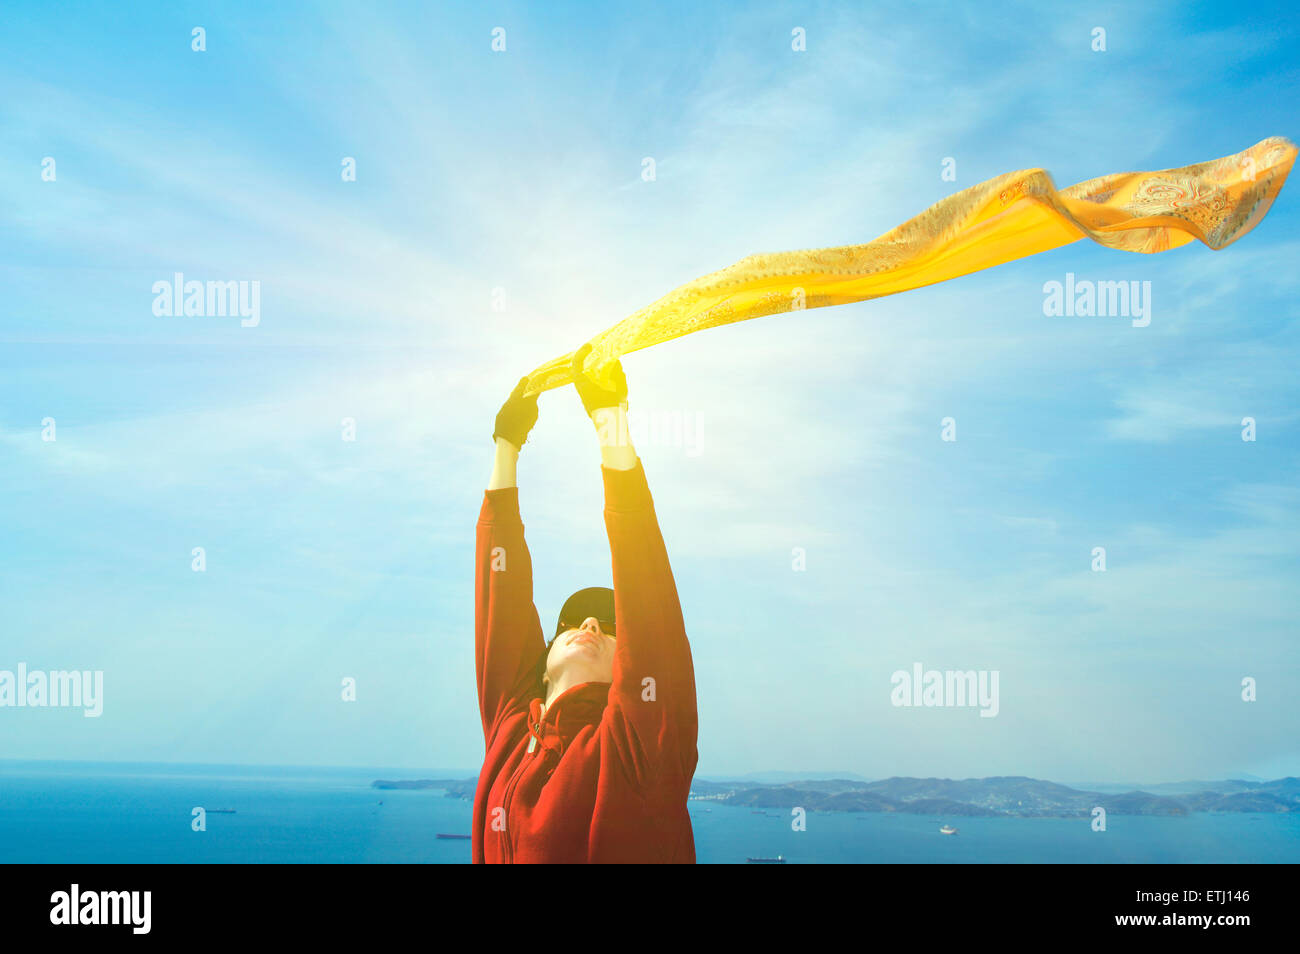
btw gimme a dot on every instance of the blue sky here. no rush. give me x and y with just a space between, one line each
521 171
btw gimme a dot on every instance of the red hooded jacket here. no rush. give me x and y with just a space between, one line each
610 778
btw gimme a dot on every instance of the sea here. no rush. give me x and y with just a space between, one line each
88 813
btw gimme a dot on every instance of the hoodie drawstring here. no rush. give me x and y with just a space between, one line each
536 729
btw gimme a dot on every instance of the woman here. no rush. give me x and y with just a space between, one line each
591 737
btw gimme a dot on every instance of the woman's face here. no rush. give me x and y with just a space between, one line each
584 654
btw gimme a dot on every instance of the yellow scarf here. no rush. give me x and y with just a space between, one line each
1006 218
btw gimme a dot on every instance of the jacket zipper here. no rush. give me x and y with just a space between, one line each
507 848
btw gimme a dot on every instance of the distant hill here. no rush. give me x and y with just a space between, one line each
1190 787
455 788
1011 796
998 796
780 778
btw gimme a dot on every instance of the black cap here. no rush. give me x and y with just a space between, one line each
597 601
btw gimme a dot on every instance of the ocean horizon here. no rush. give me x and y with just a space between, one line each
92 813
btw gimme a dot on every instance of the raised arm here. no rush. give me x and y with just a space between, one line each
651 713
507 631
504 465
650 722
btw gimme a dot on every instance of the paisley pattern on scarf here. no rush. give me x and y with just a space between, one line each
1006 218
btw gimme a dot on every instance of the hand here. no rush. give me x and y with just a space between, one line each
517 416
594 396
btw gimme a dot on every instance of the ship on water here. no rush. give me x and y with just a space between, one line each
947 830
778 860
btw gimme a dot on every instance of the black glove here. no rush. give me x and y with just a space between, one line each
517 416
593 395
